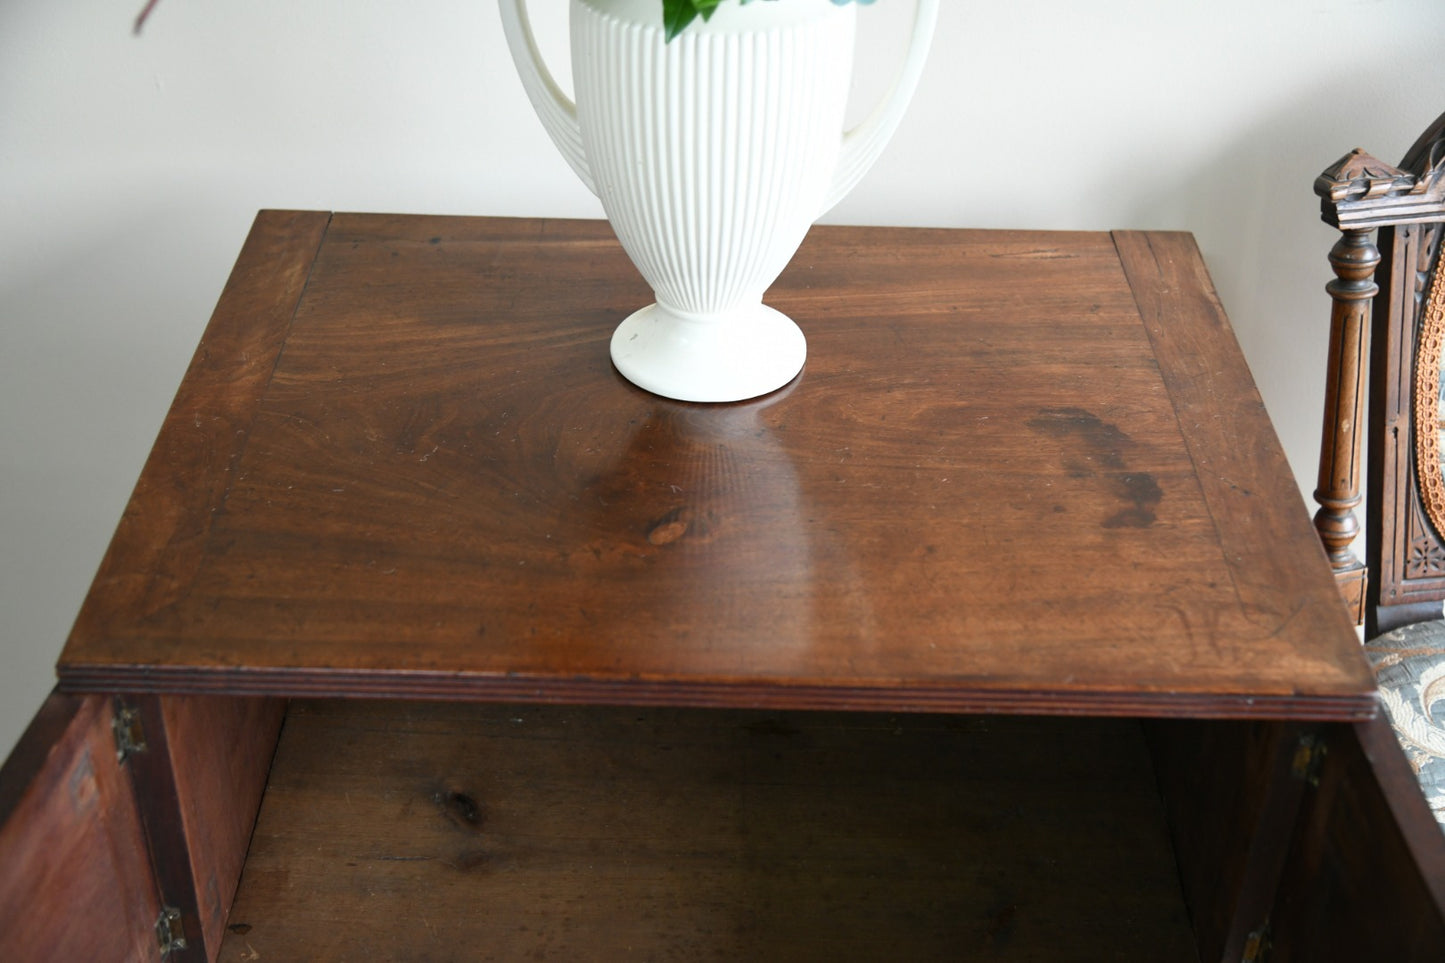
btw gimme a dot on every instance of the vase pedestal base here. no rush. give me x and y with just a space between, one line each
745 353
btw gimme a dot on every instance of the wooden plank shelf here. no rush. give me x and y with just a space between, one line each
437 831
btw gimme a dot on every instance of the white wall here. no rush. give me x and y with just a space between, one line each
130 169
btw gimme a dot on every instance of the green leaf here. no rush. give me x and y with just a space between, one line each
676 15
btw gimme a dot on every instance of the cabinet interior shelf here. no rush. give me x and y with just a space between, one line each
443 831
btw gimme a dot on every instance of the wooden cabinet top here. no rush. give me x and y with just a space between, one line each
1022 472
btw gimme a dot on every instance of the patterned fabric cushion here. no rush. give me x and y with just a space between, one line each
1410 666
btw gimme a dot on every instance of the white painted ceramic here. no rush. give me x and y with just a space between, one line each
712 154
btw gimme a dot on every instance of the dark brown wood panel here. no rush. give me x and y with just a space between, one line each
1011 478
1231 799
198 785
454 832
1366 876
162 538
76 881
162 811
220 752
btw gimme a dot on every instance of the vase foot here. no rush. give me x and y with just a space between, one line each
747 353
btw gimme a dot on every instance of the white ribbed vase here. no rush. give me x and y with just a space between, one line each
712 155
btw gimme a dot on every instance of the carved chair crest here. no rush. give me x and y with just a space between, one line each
1387 343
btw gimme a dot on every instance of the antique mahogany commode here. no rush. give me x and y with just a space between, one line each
1002 628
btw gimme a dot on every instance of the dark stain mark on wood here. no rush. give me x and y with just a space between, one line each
1143 492
1101 441
1092 448
460 809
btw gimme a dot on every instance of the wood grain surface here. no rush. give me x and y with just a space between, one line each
76 881
1021 472
464 832
219 752
1366 875
1231 800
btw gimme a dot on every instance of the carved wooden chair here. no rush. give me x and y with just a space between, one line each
1387 359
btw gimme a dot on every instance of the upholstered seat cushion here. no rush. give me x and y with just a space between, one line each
1410 666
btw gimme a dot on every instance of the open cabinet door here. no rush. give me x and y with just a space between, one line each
76 881
1365 878
110 853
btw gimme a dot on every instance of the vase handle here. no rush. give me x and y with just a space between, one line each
863 144
556 111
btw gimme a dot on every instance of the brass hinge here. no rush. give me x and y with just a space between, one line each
170 934
1309 756
1257 946
130 738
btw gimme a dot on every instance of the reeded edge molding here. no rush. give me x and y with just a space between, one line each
887 696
